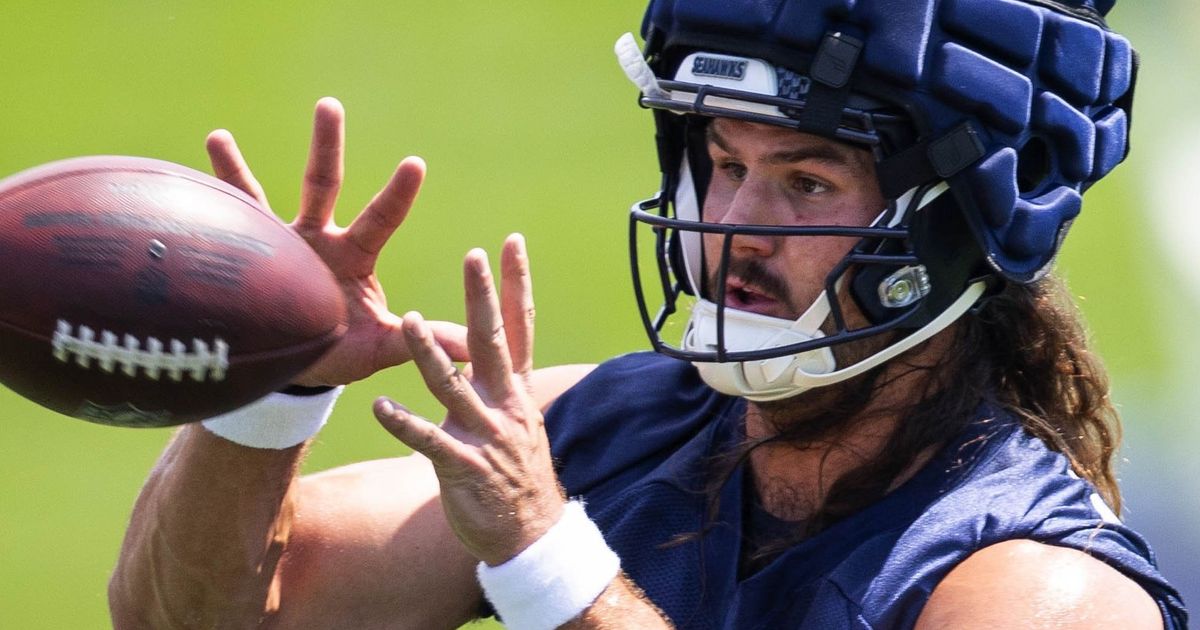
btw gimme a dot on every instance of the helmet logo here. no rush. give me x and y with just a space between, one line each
719 67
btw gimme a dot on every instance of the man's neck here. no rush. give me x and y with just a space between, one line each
793 478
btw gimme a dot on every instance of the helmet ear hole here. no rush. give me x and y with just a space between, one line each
1033 165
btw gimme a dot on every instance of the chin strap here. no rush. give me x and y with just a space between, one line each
956 309
783 377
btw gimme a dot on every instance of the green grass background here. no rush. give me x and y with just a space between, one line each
528 125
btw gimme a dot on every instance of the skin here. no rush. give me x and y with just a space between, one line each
764 177
228 536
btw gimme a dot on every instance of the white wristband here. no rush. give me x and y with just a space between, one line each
276 420
555 578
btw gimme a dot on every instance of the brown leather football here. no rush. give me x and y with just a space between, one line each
138 292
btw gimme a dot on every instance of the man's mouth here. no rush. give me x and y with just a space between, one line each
752 288
747 297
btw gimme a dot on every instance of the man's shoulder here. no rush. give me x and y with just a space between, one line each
1026 486
999 482
995 485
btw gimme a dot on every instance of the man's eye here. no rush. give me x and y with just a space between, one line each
733 170
810 186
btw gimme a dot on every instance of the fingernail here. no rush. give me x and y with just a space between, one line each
385 406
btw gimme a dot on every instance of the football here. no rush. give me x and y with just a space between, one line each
138 292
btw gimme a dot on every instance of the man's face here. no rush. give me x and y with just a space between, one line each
765 175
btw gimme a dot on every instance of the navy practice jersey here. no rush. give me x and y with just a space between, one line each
635 438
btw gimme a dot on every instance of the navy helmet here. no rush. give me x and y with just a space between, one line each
987 120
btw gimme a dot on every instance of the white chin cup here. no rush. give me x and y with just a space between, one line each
765 379
781 377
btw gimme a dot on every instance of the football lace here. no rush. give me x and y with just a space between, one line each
203 361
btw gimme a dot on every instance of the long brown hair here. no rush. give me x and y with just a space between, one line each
1043 371
1024 348
1027 349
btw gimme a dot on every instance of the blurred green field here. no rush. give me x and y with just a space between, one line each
527 124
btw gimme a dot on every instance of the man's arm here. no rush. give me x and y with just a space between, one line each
621 605
225 535
370 543
1030 585
205 535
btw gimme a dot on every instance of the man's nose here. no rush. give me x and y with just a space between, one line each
756 203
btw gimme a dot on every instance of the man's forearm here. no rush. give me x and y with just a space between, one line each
205 536
621 605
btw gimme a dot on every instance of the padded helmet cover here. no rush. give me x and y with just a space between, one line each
1045 85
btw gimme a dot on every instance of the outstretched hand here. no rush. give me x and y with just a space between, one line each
374 340
491 455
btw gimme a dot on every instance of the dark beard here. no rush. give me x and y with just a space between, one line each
820 415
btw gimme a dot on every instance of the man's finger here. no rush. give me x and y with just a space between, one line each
393 348
486 340
516 303
323 173
441 376
452 338
418 433
378 221
230 167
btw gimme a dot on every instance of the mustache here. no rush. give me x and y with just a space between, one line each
754 274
